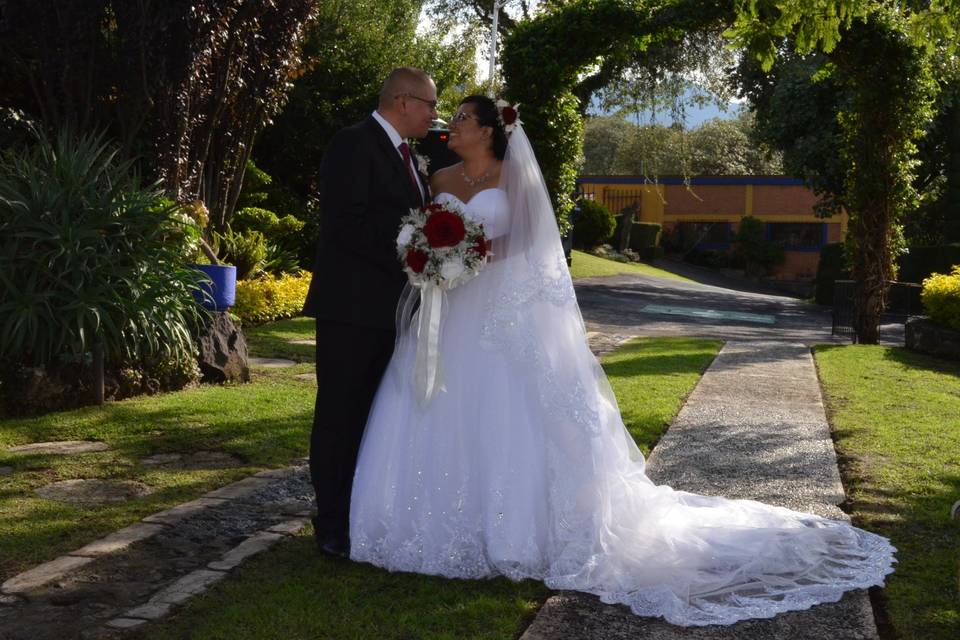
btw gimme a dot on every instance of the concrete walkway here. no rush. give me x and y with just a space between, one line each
754 427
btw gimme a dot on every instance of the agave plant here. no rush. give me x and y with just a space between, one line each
89 254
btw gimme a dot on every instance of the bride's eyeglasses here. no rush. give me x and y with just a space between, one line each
460 117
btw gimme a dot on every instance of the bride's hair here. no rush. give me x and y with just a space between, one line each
485 109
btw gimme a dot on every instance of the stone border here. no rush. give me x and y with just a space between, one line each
121 539
198 581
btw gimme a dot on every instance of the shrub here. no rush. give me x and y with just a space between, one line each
644 235
832 267
593 225
87 253
265 299
759 255
246 250
941 298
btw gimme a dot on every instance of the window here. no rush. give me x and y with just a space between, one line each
704 235
796 235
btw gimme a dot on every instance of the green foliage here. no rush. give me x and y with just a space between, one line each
833 266
348 52
941 298
89 254
593 225
246 250
602 139
644 235
285 232
921 262
751 245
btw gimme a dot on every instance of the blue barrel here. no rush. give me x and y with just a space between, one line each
220 293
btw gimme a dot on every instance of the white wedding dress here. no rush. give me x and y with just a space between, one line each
522 467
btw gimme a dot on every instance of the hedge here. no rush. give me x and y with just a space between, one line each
268 298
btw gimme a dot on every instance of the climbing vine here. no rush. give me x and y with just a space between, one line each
879 50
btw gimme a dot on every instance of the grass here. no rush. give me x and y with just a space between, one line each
263 423
652 377
585 265
292 592
896 421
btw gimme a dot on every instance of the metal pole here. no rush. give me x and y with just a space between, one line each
493 42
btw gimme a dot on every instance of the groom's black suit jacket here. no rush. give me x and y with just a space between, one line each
365 190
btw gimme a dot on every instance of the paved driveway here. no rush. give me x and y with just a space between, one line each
637 305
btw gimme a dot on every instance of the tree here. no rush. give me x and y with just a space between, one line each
347 53
717 147
879 52
602 139
183 84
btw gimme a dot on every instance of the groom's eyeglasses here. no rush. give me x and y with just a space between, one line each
430 103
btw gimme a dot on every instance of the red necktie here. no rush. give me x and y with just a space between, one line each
405 152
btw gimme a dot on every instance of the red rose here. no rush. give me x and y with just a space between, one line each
444 229
509 115
417 260
481 246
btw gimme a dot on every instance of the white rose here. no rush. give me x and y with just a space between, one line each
451 270
406 234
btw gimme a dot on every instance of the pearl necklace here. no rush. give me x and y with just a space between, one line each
473 182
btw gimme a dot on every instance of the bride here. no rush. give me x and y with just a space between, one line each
522 466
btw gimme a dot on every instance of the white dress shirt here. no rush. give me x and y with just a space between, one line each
396 140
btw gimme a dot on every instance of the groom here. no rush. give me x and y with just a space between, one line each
368 181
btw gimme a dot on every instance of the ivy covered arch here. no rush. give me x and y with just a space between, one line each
882 52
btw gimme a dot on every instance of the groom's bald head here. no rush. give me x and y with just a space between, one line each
408 101
401 81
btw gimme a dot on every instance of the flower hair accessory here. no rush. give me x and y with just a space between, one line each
507 115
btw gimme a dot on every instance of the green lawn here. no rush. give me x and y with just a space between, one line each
896 421
585 265
293 593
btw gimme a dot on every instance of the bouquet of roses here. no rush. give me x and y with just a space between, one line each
440 246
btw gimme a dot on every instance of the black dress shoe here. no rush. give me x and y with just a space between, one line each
336 547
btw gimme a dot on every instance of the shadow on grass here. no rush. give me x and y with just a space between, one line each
291 592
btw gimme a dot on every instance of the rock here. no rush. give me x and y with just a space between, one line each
6 471
64 447
94 491
923 335
223 351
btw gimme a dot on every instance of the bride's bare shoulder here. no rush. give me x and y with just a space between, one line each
440 180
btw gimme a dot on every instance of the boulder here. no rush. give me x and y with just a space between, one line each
223 351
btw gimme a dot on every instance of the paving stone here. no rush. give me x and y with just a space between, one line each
309 377
290 527
119 540
64 447
195 460
308 341
251 546
192 584
272 363
237 490
275 474
178 513
43 574
149 611
6 471
125 623
94 491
